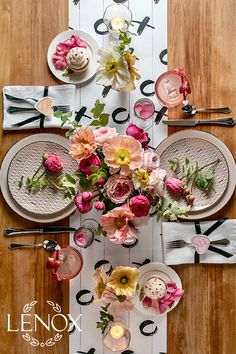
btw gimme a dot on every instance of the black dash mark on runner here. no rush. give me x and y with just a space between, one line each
80 294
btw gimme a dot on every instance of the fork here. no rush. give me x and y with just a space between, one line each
14 109
182 243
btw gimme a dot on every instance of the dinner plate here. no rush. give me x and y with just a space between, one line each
203 148
20 157
75 78
164 272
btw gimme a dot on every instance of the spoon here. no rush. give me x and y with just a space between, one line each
48 245
191 110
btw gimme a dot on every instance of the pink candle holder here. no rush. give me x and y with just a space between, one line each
116 337
144 110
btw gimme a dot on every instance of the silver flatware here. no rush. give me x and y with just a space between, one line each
17 99
182 243
191 110
14 109
227 122
11 231
48 245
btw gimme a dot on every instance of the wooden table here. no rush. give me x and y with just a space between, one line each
201 39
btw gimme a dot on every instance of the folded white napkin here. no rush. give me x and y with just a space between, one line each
62 95
185 231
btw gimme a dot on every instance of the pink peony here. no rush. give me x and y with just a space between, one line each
83 205
118 224
99 205
150 160
174 185
117 307
102 135
85 164
139 205
53 163
137 133
119 188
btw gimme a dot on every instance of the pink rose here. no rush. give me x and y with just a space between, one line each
53 163
119 188
87 196
85 164
139 205
137 133
99 205
174 185
103 134
84 206
150 160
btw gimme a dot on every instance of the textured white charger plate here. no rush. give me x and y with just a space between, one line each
12 161
75 78
164 272
203 148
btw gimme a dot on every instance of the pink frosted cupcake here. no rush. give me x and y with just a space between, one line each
155 288
78 59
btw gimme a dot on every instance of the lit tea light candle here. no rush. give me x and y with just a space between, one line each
118 24
117 331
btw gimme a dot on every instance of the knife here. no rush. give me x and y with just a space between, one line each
10 231
228 122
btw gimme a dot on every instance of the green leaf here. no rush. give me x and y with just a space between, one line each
104 119
164 204
69 133
84 184
210 175
70 178
174 165
98 109
95 123
94 168
58 114
20 182
95 179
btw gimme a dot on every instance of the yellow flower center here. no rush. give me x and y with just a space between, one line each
119 222
123 280
122 157
142 177
112 66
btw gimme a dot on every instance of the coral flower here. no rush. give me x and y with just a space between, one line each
82 144
118 224
123 280
101 279
123 153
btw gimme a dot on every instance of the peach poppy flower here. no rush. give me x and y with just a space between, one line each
82 144
123 153
101 280
118 224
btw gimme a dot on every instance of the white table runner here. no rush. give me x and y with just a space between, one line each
150 24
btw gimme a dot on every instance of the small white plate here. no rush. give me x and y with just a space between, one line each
4 179
75 78
164 272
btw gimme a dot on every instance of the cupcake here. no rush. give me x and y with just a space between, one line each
78 59
155 288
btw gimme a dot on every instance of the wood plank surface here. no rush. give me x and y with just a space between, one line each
201 39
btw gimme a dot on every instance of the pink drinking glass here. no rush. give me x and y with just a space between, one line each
144 113
167 89
71 263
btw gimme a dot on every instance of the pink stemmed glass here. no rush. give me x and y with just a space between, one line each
71 263
144 113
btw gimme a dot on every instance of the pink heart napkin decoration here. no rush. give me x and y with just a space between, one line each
44 106
201 243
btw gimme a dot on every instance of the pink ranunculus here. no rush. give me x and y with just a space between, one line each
139 205
87 196
99 205
102 135
119 188
137 133
101 181
174 185
85 164
53 163
83 205
150 160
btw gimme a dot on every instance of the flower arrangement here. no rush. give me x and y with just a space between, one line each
115 291
117 65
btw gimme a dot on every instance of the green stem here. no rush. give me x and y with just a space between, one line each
37 170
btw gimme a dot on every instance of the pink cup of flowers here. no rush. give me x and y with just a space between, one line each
144 113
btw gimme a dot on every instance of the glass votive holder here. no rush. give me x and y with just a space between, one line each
84 235
116 336
71 263
144 110
167 89
117 18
